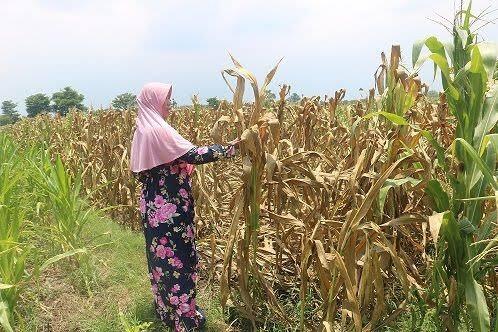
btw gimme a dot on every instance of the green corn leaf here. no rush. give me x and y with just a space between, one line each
396 119
466 226
479 162
56 258
416 50
443 65
476 302
489 116
489 53
4 317
438 195
451 233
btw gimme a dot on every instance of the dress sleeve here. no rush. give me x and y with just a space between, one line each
206 154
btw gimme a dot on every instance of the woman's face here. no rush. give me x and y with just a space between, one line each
166 106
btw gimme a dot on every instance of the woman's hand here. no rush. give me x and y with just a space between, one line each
235 142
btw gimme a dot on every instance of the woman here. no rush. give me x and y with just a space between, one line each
163 161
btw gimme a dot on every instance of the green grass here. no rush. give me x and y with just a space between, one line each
119 283
413 322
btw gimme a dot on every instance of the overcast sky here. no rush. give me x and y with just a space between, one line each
104 48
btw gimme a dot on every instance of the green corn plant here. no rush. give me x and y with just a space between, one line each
68 207
461 229
14 249
398 89
12 252
62 193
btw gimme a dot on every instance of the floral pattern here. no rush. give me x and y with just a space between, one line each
167 210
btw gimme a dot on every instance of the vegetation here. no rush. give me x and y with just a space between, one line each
213 102
37 104
66 99
9 113
124 101
376 214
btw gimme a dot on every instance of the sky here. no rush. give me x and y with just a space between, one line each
105 48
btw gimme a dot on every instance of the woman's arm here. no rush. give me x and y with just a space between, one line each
206 154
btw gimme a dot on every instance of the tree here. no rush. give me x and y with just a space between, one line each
67 99
269 98
4 120
270 95
124 101
213 102
294 98
37 104
9 110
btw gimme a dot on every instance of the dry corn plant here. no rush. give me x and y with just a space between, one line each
295 200
326 210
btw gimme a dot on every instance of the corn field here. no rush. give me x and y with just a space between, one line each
348 212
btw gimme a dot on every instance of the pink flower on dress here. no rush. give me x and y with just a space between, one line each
183 193
190 232
184 307
192 304
161 251
166 212
183 298
159 201
153 222
157 273
178 263
202 150
175 288
169 252
142 205
195 277
161 182
173 169
174 300
163 240
154 289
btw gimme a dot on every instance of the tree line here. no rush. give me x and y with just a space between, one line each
63 101
60 102
214 102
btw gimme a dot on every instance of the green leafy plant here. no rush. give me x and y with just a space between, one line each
14 246
131 325
462 228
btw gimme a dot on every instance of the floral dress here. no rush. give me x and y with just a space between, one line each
167 210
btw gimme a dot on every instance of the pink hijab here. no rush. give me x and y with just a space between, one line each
155 142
